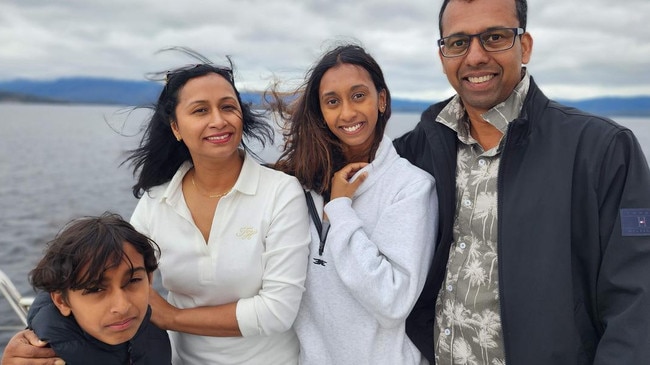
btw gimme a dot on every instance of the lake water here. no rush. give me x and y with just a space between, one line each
58 162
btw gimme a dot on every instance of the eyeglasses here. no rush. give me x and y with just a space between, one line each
493 40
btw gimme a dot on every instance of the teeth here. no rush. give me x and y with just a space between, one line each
352 128
218 138
478 80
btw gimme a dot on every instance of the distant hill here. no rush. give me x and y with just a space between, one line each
126 92
11 96
637 106
87 90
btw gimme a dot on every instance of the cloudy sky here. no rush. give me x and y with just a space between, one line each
581 48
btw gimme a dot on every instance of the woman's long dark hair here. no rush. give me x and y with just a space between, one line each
312 153
159 156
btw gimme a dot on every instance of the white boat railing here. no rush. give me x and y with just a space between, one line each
18 303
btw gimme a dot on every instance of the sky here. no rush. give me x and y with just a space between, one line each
582 49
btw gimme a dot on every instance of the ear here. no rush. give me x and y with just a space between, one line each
442 61
150 276
526 47
60 302
382 100
177 133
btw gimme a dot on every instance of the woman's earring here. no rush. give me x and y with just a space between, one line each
179 138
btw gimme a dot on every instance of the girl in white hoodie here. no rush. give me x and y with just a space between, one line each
374 229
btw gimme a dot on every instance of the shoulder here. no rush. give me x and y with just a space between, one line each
427 135
399 176
403 170
547 114
585 130
155 192
171 189
427 119
150 336
48 324
279 179
412 176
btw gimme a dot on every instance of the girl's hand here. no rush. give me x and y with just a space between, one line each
341 185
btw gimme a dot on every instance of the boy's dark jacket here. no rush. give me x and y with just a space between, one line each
149 346
573 287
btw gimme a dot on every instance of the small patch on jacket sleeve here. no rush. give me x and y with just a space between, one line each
635 222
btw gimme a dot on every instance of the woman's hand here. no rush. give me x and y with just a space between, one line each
25 348
161 311
341 185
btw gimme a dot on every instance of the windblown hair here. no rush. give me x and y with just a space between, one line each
159 156
521 6
85 248
312 153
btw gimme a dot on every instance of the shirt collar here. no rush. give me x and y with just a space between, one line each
246 182
453 115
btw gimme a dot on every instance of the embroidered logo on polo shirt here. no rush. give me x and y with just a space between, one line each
246 233
635 222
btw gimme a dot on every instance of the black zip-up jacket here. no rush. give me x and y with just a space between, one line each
573 246
149 346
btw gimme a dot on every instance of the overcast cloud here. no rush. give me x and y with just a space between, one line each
581 48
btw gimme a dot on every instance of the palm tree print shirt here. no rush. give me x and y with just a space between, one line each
468 319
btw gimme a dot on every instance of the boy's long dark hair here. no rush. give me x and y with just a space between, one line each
86 247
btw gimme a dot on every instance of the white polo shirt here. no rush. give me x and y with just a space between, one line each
256 255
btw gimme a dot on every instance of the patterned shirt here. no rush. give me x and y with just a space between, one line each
468 319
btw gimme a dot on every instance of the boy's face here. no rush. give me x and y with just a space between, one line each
113 311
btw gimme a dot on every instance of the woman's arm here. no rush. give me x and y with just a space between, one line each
274 308
217 321
25 348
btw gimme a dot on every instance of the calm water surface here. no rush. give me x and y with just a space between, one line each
58 162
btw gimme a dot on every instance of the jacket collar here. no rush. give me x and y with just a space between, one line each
453 115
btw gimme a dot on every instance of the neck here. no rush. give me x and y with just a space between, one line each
213 177
487 135
352 157
357 153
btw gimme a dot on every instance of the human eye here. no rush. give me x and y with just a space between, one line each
331 102
496 36
134 281
456 42
200 110
229 107
92 290
358 96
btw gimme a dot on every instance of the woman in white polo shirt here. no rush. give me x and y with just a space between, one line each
233 234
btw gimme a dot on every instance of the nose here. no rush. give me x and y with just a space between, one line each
476 54
217 120
120 302
348 111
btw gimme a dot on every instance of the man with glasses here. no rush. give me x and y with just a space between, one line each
540 257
